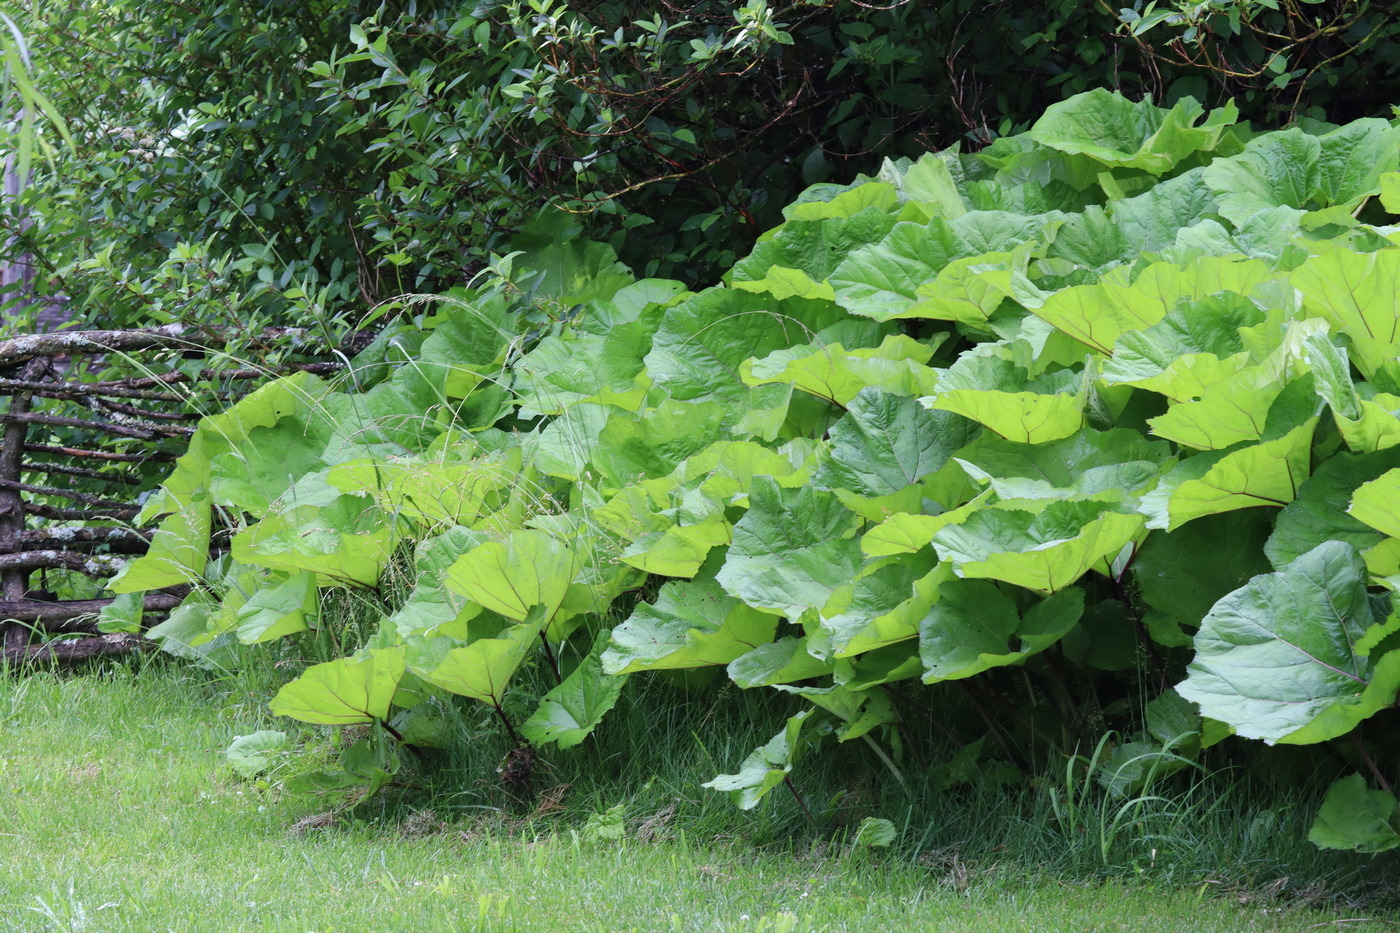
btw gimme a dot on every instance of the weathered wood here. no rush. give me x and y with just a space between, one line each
94 565
43 510
144 433
45 615
74 390
119 540
19 350
87 625
14 581
118 408
107 476
122 421
118 387
84 498
160 456
76 650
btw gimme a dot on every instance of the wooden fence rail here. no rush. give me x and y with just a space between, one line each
71 454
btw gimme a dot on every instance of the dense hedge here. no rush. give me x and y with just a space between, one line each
310 159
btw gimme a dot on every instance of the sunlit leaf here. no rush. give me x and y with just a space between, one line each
355 689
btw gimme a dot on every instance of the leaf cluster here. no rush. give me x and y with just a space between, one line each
1100 419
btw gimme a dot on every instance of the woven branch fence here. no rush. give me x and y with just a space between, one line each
76 449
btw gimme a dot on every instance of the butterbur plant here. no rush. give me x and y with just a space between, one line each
1103 417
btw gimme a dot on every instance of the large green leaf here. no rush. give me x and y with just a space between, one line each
1377 503
654 441
674 521
784 661
678 550
178 553
429 490
859 710
356 689
567 266
565 445
1118 132
792 550
1044 551
766 767
289 397
1098 315
996 392
697 351
975 626
604 368
1357 818
1353 159
481 670
466 348
929 181
343 538
1319 513
1359 294
431 607
1242 477
886 442
903 275
1278 659
1105 466
690 624
837 374
244 457
1226 412
186 634
1295 169
907 533
289 606
1275 169
1181 574
254 754
1366 424
571 711
1156 218
883 607
525 570
882 280
811 248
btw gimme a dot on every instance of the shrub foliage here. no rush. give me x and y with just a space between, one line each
1097 426
308 160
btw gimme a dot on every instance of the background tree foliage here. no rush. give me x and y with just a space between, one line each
259 162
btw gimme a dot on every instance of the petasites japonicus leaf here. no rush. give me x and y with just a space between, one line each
1353 816
1283 658
792 550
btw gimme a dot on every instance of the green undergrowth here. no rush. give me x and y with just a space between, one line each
1070 465
123 815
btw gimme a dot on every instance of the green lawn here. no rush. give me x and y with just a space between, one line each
121 815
